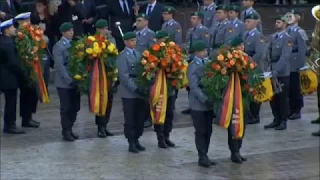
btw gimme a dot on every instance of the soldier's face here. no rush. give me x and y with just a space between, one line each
103 31
250 24
202 54
280 24
11 31
141 23
247 3
68 34
240 47
195 20
232 14
131 43
221 15
166 16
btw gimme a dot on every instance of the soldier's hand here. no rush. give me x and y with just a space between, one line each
141 91
2 14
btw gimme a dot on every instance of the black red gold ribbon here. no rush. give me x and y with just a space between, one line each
40 84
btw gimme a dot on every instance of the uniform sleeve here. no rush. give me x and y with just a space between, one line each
177 34
194 83
260 48
123 71
151 39
259 23
206 36
59 63
302 47
213 22
285 55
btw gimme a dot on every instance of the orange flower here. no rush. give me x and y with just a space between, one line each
220 57
215 66
37 38
156 47
232 62
210 74
174 83
20 35
252 66
43 44
230 56
143 62
152 58
245 77
223 71
162 44
152 65
171 43
164 63
146 53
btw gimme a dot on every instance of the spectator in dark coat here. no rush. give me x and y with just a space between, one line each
91 16
154 10
9 9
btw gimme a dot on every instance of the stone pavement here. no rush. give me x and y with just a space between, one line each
40 154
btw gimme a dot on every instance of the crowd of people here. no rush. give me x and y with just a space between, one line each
142 26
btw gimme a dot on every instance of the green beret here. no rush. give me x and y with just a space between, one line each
65 27
129 35
295 12
236 41
222 7
199 46
252 16
142 15
280 18
161 34
234 7
101 23
169 9
199 14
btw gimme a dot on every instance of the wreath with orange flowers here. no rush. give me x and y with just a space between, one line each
227 61
165 56
31 45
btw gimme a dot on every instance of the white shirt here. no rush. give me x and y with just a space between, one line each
152 7
122 5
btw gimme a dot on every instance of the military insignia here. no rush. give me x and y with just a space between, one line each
262 40
289 43
154 39
207 34
230 30
178 30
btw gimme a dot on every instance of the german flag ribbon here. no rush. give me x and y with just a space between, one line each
40 84
98 92
158 99
231 112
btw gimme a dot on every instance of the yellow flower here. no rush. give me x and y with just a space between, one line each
97 50
103 45
91 38
115 71
81 45
77 77
89 50
95 45
111 47
115 79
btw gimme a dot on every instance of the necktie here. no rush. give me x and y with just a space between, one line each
244 14
246 36
139 33
134 53
289 30
276 36
149 10
202 60
166 25
205 9
125 7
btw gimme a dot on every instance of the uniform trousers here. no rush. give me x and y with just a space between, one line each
69 106
279 103
234 144
295 95
254 110
202 122
165 129
134 115
28 103
10 107
104 120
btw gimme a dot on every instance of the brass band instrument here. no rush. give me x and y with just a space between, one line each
198 4
313 61
118 25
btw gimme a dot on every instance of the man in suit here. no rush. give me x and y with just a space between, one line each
68 92
237 25
144 35
171 26
254 46
133 101
154 10
209 11
279 52
73 11
299 49
9 8
11 76
248 6
90 17
121 11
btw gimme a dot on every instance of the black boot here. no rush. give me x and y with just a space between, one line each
202 147
316 121
281 126
12 130
274 124
29 123
316 133
139 146
295 116
74 135
101 132
169 142
133 147
204 161
108 133
67 135
236 158
147 123
161 140
242 158
186 111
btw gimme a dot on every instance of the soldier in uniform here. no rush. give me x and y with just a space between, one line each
11 76
298 56
223 31
133 101
254 46
28 93
279 52
209 12
68 91
237 25
196 33
171 26
201 106
145 36
248 6
102 121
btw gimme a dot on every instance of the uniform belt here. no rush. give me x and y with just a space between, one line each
132 75
251 53
215 46
294 50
